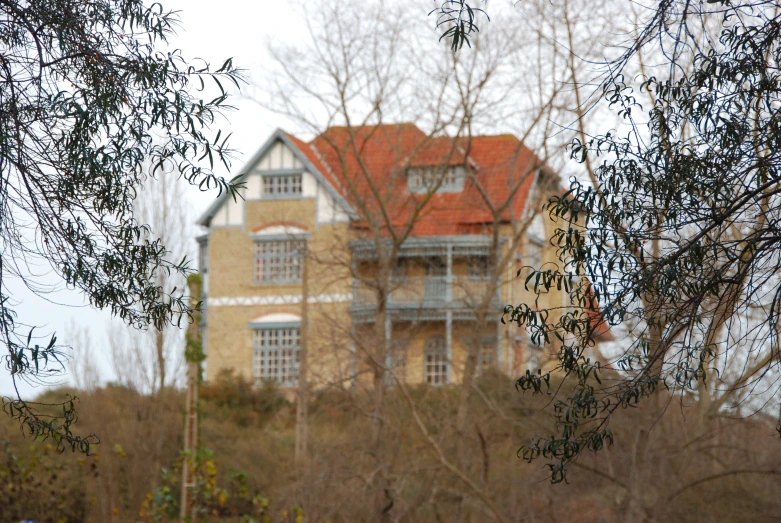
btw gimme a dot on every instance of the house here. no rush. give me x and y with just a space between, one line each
376 246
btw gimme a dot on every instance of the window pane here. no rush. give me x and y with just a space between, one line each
289 184
435 361
275 355
279 260
448 178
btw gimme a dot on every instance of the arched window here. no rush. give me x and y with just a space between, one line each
275 344
435 364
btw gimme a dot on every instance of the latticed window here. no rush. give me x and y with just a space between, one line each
430 177
284 185
279 261
275 355
435 361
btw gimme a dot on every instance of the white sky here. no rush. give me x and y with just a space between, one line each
213 31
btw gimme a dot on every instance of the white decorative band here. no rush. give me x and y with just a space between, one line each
291 299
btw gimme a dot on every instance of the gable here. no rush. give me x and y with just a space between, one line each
279 156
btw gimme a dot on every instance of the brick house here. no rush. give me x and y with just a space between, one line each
376 242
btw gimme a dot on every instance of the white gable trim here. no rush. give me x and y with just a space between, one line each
278 136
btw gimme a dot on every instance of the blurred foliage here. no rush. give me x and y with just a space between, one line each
724 475
673 241
208 499
457 19
91 94
234 398
37 487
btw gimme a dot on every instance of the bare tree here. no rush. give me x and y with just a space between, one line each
153 359
83 366
369 69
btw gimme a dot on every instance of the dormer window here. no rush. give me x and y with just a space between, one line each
436 178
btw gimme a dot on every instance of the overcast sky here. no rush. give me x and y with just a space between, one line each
213 31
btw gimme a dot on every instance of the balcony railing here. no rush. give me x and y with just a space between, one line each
428 291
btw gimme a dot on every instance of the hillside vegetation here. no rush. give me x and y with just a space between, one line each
730 473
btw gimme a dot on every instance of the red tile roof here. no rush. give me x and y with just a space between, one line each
368 166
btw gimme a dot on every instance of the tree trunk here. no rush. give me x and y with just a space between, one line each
383 499
465 392
193 353
160 345
302 398
160 348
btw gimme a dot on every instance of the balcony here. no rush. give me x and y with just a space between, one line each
426 297
436 278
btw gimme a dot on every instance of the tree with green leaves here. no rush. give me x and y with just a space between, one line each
89 94
673 238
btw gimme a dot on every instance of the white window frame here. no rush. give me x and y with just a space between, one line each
426 178
436 366
276 353
278 260
283 186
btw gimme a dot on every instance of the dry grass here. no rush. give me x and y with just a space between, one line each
728 474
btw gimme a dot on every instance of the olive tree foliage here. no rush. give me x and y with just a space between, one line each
89 94
675 242
459 21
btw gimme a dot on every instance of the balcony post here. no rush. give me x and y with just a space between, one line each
449 275
449 341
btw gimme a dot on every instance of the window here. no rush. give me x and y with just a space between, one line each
275 355
477 266
279 261
399 269
283 185
435 266
435 362
536 237
536 352
487 356
203 254
534 252
449 179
